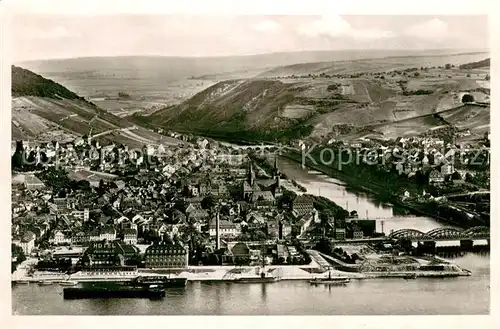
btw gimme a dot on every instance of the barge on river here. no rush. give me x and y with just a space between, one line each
114 291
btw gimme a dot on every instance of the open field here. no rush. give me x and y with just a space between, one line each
368 65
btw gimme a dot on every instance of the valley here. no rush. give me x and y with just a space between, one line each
378 97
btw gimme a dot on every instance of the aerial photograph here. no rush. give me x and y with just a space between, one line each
250 164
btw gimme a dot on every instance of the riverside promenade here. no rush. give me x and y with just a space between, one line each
318 268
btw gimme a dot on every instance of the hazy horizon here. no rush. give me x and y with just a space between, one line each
45 37
447 51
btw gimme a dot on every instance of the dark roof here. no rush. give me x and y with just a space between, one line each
130 231
303 199
28 236
240 249
108 230
168 246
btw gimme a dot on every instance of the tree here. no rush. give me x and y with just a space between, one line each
420 178
456 176
447 66
467 98
242 261
208 202
180 205
286 199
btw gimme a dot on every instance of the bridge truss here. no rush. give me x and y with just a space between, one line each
442 233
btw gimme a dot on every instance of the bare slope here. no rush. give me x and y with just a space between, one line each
45 110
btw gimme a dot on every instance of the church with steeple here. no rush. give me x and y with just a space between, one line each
257 189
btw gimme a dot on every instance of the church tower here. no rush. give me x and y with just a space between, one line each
251 174
277 171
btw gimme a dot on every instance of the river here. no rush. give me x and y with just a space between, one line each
365 204
462 295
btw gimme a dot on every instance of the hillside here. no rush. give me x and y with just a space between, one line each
154 82
236 107
27 83
476 65
360 101
372 64
45 110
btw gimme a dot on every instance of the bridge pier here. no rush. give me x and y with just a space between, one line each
405 244
466 245
427 247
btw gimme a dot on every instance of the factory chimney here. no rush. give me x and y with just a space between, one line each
217 231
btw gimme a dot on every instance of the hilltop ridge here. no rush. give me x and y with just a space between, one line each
27 83
356 99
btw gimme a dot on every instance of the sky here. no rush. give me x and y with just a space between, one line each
37 36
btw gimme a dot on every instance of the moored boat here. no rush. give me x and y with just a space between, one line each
68 283
44 283
166 282
268 279
263 278
23 282
331 280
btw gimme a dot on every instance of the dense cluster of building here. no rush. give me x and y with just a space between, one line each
179 205
156 215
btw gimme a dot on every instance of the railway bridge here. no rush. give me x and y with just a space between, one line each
442 234
427 241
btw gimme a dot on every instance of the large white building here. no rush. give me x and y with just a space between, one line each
226 228
81 215
27 242
108 233
59 238
130 236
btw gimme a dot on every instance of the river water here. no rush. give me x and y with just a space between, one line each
463 295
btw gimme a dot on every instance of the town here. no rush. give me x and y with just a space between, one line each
80 206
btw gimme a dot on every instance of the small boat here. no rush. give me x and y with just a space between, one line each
257 279
331 280
164 281
44 283
68 283
263 278
23 282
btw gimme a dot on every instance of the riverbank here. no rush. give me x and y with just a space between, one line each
222 276
316 269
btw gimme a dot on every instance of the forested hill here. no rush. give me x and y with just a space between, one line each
27 83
